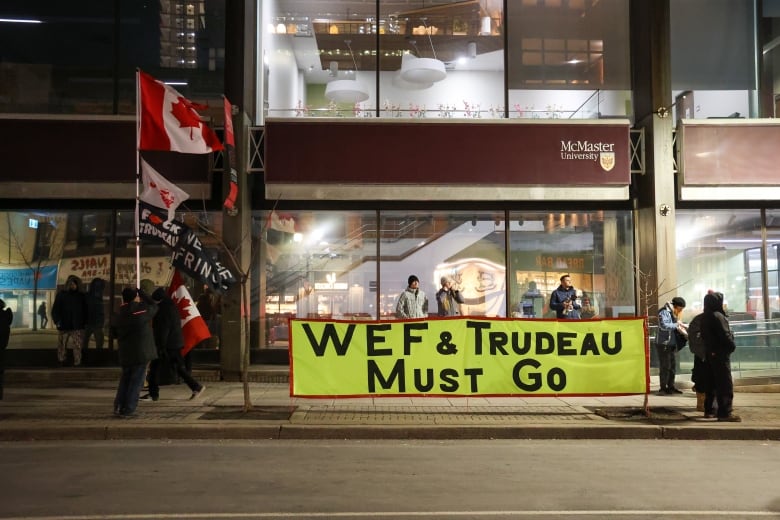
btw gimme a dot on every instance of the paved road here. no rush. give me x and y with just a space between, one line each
389 479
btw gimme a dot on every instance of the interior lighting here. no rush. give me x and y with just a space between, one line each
422 70
19 20
346 90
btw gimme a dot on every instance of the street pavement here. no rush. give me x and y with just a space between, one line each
76 404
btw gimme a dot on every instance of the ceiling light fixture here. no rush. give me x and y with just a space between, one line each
422 70
346 90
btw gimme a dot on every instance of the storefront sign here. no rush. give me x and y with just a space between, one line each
468 356
99 266
729 152
509 154
23 278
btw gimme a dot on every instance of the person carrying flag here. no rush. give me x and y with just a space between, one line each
168 338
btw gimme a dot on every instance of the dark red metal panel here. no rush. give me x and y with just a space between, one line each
455 153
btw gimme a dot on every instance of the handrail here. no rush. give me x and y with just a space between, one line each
595 93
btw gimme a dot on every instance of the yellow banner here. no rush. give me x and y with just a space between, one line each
468 357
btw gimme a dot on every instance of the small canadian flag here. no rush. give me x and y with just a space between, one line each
160 192
193 326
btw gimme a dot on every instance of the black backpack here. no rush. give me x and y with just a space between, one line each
695 340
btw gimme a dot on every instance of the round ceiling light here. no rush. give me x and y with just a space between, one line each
422 70
345 91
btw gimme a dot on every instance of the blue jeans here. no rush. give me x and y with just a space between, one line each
130 384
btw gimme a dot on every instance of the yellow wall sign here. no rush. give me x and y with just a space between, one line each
468 357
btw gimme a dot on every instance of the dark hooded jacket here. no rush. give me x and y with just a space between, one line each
69 311
96 314
715 330
167 326
133 331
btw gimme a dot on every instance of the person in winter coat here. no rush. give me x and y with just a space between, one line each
96 315
666 343
6 318
412 303
719 343
133 331
69 314
563 300
169 341
449 298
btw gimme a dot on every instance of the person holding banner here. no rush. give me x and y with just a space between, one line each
412 303
563 300
449 298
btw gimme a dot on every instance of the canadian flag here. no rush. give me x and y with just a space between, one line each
193 326
160 192
168 121
283 223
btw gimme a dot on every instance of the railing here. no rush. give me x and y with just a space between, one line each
757 353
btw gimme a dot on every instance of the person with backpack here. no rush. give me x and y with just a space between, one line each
719 344
668 339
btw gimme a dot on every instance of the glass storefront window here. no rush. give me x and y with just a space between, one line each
568 60
723 251
713 59
432 59
318 264
40 250
469 247
594 248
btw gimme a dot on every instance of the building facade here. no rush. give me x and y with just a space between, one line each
627 143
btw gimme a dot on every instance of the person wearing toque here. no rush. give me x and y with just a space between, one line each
448 298
412 303
668 340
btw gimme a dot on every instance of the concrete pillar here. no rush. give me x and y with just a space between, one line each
654 192
236 229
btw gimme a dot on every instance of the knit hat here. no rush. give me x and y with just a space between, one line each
678 301
412 279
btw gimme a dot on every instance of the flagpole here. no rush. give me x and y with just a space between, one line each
137 177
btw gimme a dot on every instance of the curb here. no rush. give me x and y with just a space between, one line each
125 431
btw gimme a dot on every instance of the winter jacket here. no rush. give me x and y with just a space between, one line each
667 327
449 302
166 325
715 329
412 304
133 328
69 311
559 296
96 314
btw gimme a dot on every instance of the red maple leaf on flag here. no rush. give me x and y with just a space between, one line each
183 111
183 305
165 195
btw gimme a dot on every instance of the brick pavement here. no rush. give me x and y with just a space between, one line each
58 407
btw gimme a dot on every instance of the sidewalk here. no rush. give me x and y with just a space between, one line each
52 407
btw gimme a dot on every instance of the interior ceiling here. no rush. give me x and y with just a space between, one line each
456 25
